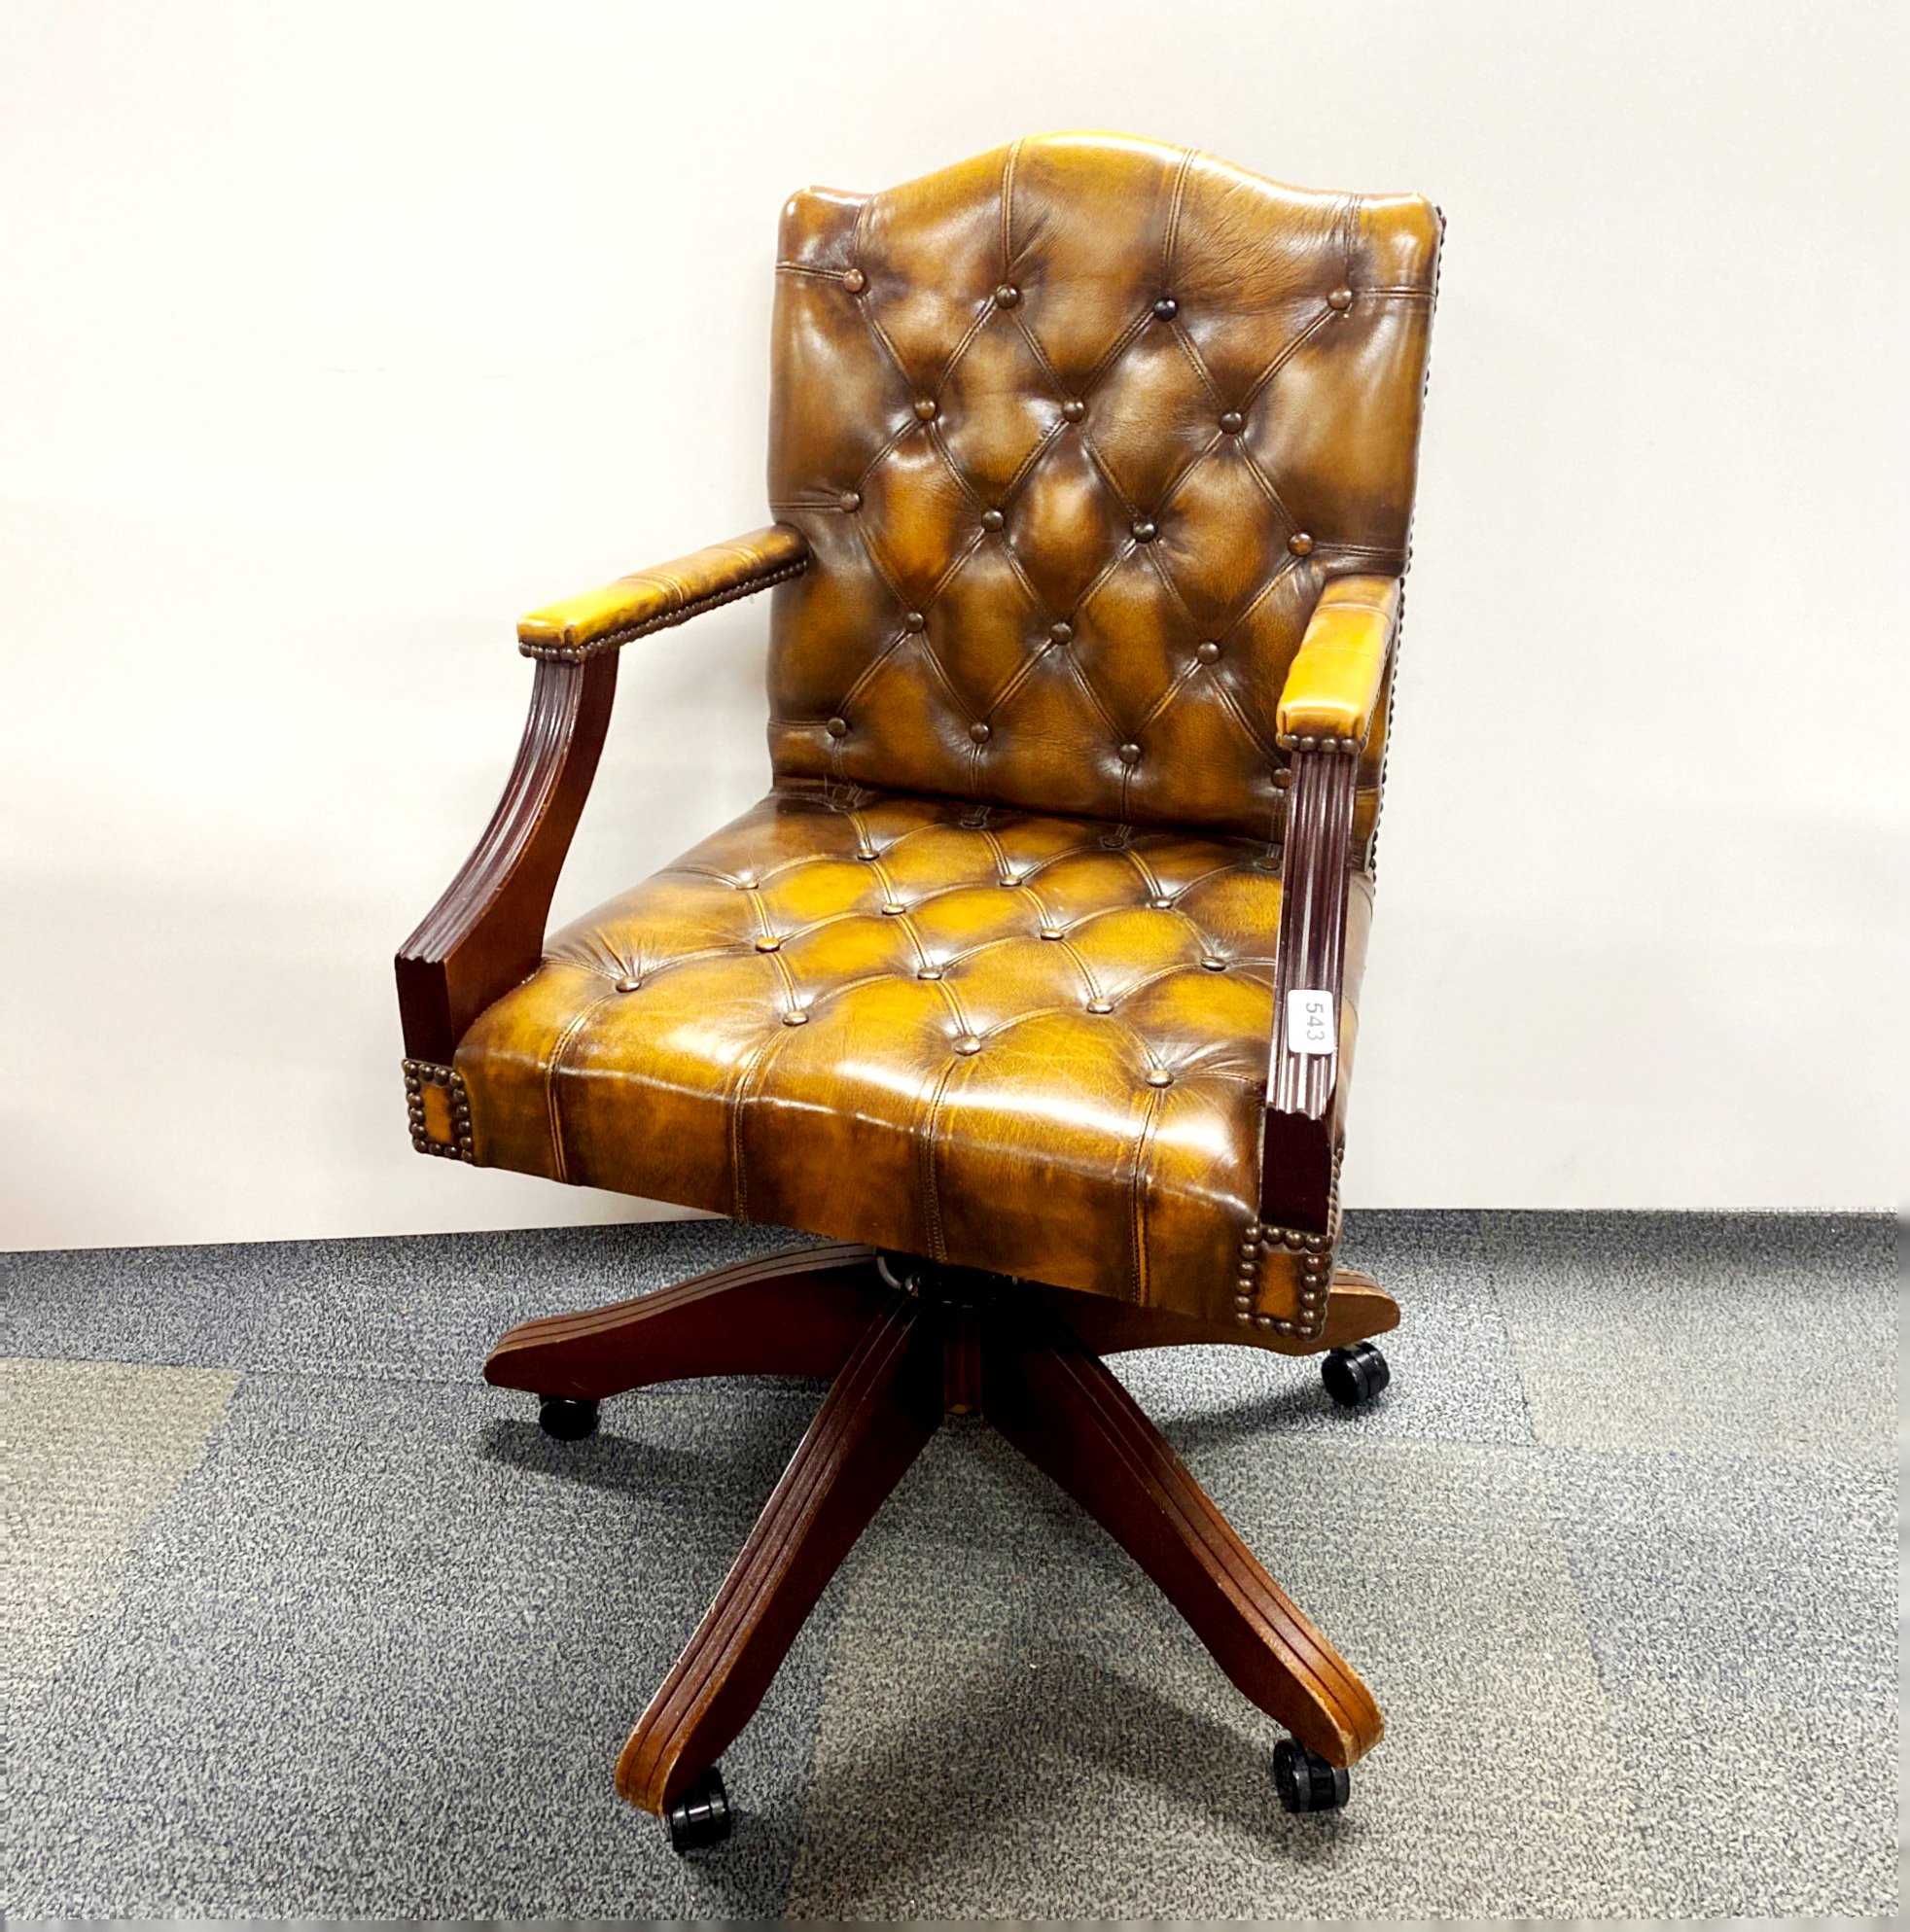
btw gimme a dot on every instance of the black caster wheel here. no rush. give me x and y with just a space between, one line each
1305 1781
1354 1375
565 1418
701 1818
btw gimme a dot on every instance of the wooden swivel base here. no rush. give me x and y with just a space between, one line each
906 1341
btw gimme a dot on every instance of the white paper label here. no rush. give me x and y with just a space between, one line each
1310 1025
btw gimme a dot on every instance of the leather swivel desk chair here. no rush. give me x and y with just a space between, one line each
1031 984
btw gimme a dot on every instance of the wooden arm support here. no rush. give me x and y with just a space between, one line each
485 935
1298 1145
1326 712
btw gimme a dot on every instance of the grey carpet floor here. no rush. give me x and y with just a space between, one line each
303 1619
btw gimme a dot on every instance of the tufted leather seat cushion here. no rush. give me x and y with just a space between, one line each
1037 1045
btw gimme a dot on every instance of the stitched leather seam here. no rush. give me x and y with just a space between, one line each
560 1159
1175 686
1092 451
1072 664
1137 1195
1007 210
1174 218
655 970
890 444
1168 584
926 1165
734 1102
962 347
1266 486
1019 676
1184 343
1238 713
1285 355
863 680
1012 489
1279 574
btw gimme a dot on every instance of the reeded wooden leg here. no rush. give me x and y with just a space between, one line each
1057 1403
1357 1309
883 1406
794 1314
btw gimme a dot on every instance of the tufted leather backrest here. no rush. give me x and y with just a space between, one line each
1076 431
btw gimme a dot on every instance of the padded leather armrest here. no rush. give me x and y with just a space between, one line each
634 606
1332 689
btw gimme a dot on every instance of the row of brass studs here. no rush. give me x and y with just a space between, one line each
421 1073
576 653
1288 741
1316 1252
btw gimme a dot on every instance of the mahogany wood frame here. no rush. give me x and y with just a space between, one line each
906 1341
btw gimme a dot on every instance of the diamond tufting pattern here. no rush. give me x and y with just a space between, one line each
1091 385
1028 1043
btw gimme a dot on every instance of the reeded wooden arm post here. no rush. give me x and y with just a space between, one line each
487 934
1326 712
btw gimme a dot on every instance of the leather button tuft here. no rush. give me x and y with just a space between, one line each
1161 903
855 281
992 520
1145 530
1300 544
1074 409
1010 878
849 501
1233 422
628 984
1212 964
1100 1006
837 727
1006 296
1160 1077
979 732
914 620
767 942
796 1017
892 908
924 408
927 973
1207 653
1341 300
967 1044
1060 633
1167 308
1130 754
1050 932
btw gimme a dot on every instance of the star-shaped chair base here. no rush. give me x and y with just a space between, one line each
908 1341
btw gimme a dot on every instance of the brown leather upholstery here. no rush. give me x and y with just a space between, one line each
652 600
1076 431
1074 445
1031 1045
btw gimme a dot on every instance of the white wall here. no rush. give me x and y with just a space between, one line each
335 335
